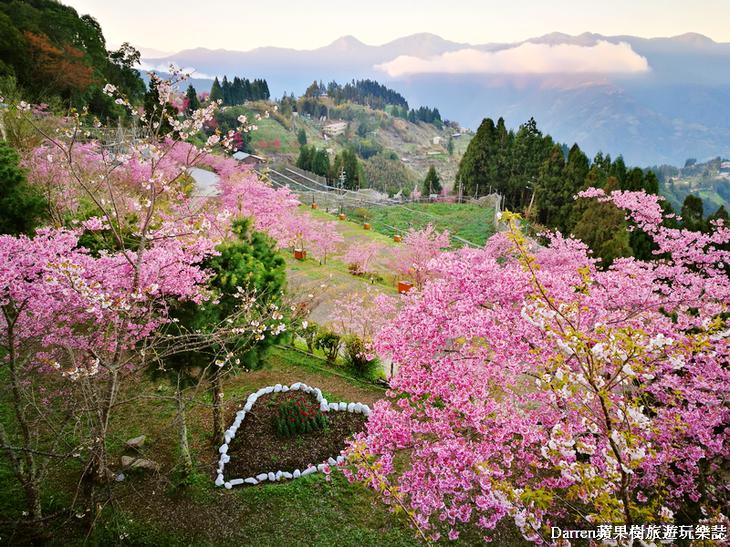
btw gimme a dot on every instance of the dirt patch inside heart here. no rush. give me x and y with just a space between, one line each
257 448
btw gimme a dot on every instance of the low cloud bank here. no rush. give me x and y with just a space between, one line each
165 68
528 58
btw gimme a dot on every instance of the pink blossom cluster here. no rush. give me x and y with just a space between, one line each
70 309
360 257
410 259
534 387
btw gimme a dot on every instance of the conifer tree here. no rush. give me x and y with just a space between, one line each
192 96
216 92
432 182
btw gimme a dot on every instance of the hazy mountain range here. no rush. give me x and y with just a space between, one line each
658 100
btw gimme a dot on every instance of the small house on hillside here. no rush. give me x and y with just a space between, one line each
436 140
725 167
248 159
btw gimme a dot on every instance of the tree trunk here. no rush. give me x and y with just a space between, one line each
187 460
24 466
218 426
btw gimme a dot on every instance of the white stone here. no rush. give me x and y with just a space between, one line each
284 389
261 392
227 438
241 414
278 475
271 476
277 388
223 449
250 480
318 393
262 477
269 389
252 398
248 407
331 461
236 482
334 406
343 406
296 474
219 480
340 459
287 475
228 486
357 408
320 467
295 386
350 407
137 442
309 471
225 458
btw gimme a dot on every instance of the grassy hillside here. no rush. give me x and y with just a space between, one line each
709 180
469 221
417 145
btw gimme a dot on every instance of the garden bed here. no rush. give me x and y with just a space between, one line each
257 448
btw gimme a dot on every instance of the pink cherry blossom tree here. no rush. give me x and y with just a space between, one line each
537 388
360 257
86 305
410 259
323 239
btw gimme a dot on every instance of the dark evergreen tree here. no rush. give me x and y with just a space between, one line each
432 182
216 93
302 137
354 173
250 261
551 190
321 163
306 156
192 98
693 212
22 206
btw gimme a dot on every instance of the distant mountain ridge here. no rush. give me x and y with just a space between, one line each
678 108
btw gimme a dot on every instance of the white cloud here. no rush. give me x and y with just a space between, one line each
528 58
165 68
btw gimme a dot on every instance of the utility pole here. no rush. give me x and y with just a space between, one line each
341 186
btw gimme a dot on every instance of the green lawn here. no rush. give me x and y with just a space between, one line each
466 220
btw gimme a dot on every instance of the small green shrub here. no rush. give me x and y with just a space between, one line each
296 418
330 343
309 334
355 354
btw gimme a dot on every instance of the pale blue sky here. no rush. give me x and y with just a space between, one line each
241 25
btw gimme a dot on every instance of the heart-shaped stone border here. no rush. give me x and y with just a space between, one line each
230 433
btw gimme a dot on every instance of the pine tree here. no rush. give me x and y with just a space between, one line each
22 206
432 182
321 163
306 155
192 96
216 93
693 212
550 189
302 137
